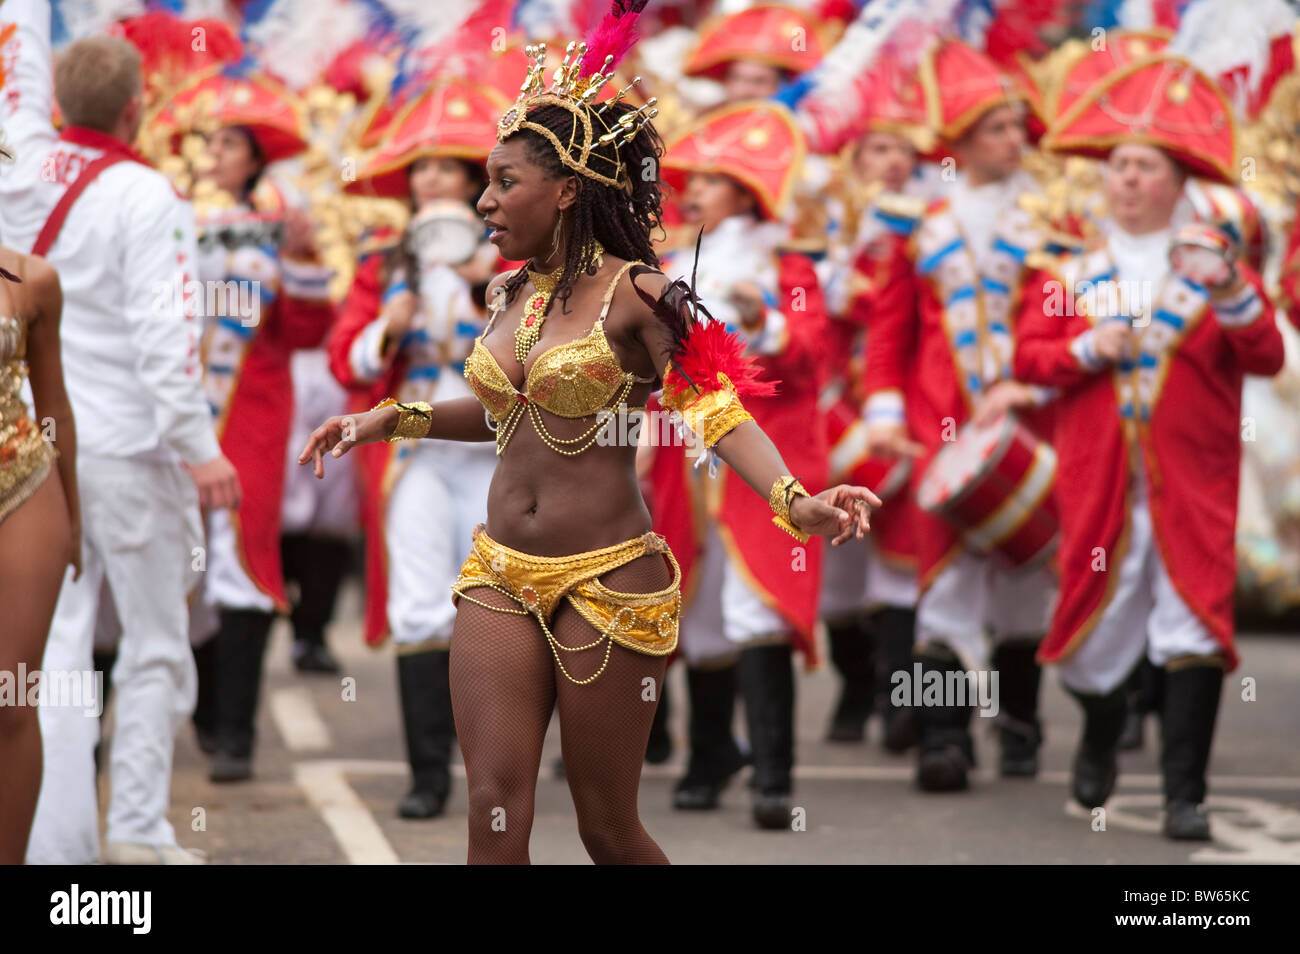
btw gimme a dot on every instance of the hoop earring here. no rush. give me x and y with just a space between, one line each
555 236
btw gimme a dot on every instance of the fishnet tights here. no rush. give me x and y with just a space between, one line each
504 684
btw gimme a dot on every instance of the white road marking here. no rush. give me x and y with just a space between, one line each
297 720
1246 830
351 823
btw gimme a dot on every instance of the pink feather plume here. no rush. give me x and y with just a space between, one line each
613 36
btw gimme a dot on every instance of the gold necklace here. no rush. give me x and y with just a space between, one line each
530 324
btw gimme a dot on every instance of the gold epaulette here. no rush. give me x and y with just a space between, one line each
901 205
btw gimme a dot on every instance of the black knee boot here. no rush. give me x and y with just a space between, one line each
1144 691
766 677
853 656
1192 696
947 751
205 707
425 691
240 648
893 629
1019 730
1096 765
715 757
317 564
659 747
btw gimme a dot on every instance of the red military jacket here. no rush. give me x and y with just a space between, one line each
1175 409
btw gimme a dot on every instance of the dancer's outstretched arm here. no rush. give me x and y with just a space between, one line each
840 512
458 420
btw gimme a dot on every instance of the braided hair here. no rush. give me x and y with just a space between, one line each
621 220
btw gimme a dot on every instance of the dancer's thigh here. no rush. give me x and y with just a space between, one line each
33 547
502 688
605 724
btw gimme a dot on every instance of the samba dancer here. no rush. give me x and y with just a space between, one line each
144 440
565 516
40 515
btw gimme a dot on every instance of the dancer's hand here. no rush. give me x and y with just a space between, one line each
343 432
843 511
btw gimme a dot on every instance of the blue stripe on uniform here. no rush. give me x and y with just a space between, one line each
1002 245
931 261
238 327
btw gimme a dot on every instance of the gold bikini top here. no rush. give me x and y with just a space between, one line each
576 379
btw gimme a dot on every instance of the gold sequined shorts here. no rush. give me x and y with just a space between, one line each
643 622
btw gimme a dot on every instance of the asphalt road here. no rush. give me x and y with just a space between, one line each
330 773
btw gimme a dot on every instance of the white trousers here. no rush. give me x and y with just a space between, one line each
138 518
328 506
225 584
1145 613
726 613
439 498
974 596
855 577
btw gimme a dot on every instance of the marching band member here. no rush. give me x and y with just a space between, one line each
407 329
868 599
939 354
753 52
750 597
1148 347
264 299
318 519
123 244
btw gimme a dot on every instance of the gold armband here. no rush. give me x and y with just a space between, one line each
785 489
711 415
413 420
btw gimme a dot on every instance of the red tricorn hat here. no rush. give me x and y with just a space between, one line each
451 118
1086 70
777 35
271 114
962 84
757 143
1161 101
897 104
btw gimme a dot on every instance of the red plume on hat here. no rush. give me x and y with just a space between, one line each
172 50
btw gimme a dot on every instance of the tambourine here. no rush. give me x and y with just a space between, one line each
1204 255
444 232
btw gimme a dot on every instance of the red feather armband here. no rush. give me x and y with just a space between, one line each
708 371
706 381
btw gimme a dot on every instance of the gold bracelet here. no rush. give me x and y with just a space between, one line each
413 420
783 490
